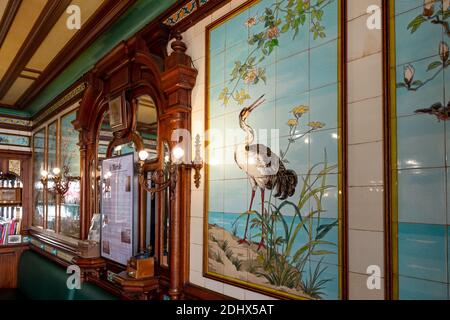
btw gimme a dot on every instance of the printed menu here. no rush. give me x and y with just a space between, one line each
117 206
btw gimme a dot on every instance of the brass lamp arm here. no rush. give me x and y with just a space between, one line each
155 178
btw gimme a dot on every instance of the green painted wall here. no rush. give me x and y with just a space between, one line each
140 14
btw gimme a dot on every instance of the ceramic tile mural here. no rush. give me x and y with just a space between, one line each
14 140
421 145
273 175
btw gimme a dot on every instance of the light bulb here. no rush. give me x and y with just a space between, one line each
143 155
44 173
56 171
177 153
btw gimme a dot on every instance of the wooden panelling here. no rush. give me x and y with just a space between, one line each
9 262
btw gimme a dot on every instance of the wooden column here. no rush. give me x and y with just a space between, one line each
177 82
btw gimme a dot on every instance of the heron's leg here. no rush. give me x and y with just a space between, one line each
244 240
261 243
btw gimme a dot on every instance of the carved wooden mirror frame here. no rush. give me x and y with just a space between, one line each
139 67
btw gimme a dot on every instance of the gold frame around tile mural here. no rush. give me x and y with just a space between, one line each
411 81
339 225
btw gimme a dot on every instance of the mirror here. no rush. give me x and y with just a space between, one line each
146 120
147 124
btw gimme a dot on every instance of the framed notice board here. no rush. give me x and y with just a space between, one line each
118 203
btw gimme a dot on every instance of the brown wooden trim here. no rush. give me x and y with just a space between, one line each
32 70
344 152
193 292
10 13
102 19
7 106
27 77
14 127
388 264
54 241
19 155
50 14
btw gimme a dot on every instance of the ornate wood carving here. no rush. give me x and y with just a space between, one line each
141 66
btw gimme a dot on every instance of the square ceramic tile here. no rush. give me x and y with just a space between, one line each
215 202
363 80
284 112
418 289
358 289
366 163
357 8
196 278
291 44
329 23
364 247
323 65
196 257
234 292
324 147
421 196
237 31
423 251
361 40
324 106
330 273
409 101
420 142
235 196
292 75
427 35
196 230
197 203
365 208
406 5
365 121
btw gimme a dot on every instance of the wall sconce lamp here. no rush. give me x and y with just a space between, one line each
59 183
168 179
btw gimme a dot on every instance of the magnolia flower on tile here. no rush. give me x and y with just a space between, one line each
273 32
316 125
428 8
443 51
300 110
408 72
251 22
251 75
292 122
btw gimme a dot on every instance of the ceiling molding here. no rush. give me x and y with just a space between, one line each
50 14
8 17
100 21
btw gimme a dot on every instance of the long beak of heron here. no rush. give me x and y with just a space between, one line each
256 104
